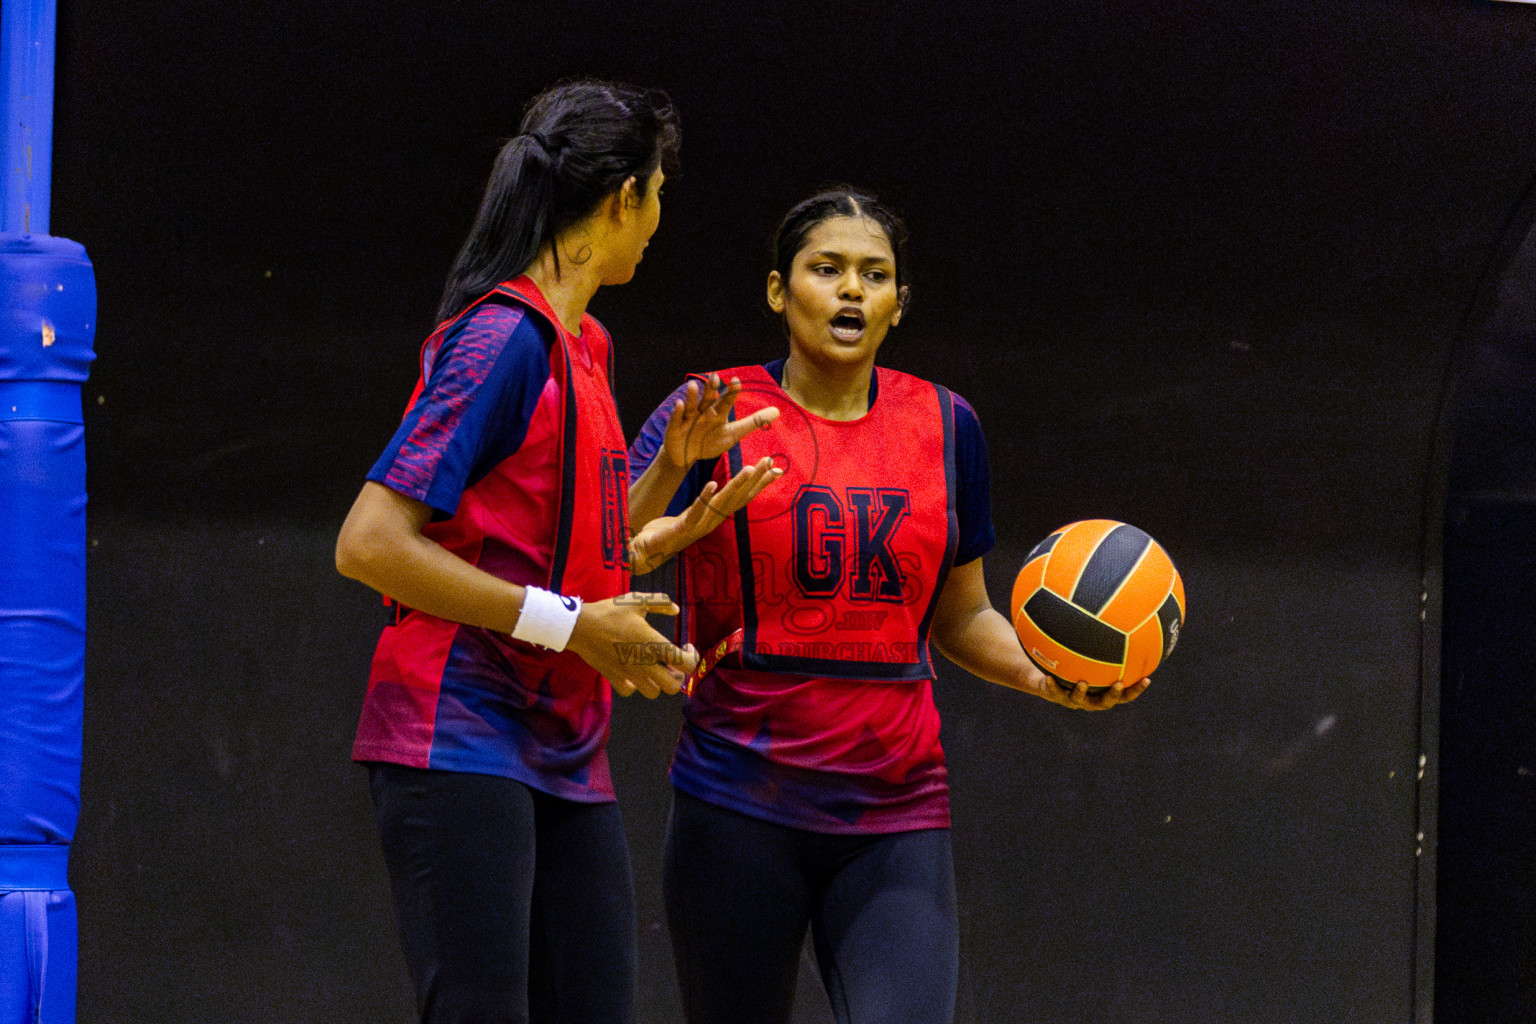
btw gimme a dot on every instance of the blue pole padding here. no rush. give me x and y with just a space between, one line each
47 324
27 31
38 935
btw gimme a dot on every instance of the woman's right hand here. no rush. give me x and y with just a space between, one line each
615 639
701 427
664 537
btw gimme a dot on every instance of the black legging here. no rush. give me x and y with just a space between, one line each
514 906
740 893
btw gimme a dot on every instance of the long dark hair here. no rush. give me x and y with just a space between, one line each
579 141
838 201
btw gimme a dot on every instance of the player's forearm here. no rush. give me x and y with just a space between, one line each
650 495
381 545
653 544
984 644
971 633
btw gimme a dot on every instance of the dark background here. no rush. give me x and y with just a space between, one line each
1205 267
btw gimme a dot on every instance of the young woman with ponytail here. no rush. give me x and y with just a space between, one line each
495 523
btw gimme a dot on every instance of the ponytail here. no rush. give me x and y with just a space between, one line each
578 143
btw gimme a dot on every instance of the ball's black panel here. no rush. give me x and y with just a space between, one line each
1044 547
1074 628
1109 565
1172 621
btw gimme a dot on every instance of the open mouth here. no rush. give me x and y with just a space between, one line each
848 325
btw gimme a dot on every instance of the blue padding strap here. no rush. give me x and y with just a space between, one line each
36 918
41 400
33 867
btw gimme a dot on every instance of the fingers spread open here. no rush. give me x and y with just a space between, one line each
745 486
760 420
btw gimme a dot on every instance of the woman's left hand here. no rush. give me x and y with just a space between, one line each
667 535
1079 697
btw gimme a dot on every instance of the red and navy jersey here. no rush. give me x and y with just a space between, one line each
826 720
513 440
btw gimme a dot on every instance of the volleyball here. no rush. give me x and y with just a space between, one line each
1098 602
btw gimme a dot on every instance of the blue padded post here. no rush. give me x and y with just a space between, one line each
47 322
27 44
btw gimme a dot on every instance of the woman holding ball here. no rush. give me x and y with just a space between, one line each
809 784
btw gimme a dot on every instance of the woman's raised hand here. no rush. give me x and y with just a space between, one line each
663 537
701 426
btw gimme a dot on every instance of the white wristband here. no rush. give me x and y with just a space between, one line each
546 619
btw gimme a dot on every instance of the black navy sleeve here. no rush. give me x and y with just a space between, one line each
474 411
973 484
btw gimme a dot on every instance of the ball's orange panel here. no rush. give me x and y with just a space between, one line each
1024 584
1143 592
1058 661
1073 669
1071 553
1143 651
1178 595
